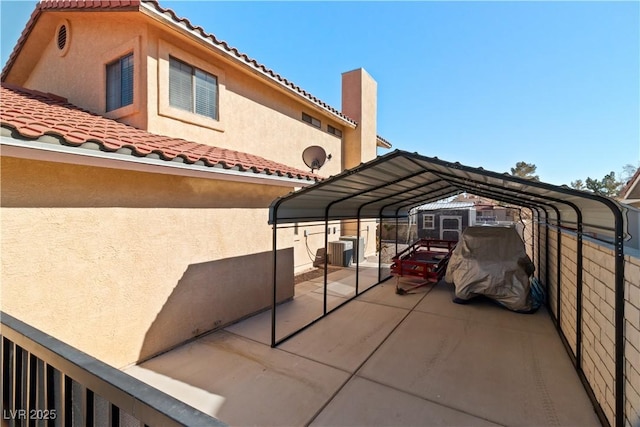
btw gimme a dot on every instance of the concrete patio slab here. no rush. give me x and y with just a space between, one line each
382 359
365 403
347 337
385 294
500 374
483 310
290 316
243 382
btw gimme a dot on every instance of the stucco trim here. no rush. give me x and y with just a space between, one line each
44 151
167 50
139 80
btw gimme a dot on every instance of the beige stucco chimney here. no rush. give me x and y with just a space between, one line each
359 102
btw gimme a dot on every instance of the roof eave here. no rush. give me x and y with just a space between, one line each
383 143
44 151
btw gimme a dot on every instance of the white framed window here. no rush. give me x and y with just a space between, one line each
120 82
192 89
428 222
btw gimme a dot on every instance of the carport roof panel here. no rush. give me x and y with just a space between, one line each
390 185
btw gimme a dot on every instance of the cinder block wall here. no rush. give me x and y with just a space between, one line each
632 334
598 352
598 314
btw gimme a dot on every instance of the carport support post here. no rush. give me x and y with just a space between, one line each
546 250
380 240
357 258
326 260
619 317
579 291
275 281
397 233
538 236
532 236
558 273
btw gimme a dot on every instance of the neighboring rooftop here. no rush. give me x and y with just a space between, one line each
32 115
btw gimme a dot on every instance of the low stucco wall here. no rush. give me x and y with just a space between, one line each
123 265
598 315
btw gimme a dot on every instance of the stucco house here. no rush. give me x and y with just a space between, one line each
139 158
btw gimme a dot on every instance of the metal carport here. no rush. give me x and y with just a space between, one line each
389 186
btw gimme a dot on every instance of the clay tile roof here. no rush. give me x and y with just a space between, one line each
172 16
33 114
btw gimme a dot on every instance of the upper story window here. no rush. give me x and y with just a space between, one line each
120 82
192 89
311 120
334 131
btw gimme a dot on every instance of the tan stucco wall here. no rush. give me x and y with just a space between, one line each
253 117
123 264
80 74
359 101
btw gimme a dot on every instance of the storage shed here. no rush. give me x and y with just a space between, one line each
444 220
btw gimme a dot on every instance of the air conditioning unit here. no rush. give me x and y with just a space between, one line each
358 247
340 253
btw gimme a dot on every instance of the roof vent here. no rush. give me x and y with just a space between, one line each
62 38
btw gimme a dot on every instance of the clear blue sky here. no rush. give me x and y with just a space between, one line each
483 83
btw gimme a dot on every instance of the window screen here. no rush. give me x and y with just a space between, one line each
120 82
192 89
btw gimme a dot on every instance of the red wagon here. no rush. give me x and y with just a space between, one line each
425 259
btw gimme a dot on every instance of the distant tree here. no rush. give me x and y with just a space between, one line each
607 186
577 184
628 171
525 170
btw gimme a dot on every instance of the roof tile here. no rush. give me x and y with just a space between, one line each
34 114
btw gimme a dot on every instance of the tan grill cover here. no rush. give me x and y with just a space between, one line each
492 261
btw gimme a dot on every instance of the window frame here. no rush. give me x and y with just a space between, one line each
165 50
307 118
120 81
334 131
194 74
432 217
131 46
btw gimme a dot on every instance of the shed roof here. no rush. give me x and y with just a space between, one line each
391 185
444 205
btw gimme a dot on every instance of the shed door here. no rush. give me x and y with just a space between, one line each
450 227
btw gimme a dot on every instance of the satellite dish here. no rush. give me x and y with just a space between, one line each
314 157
